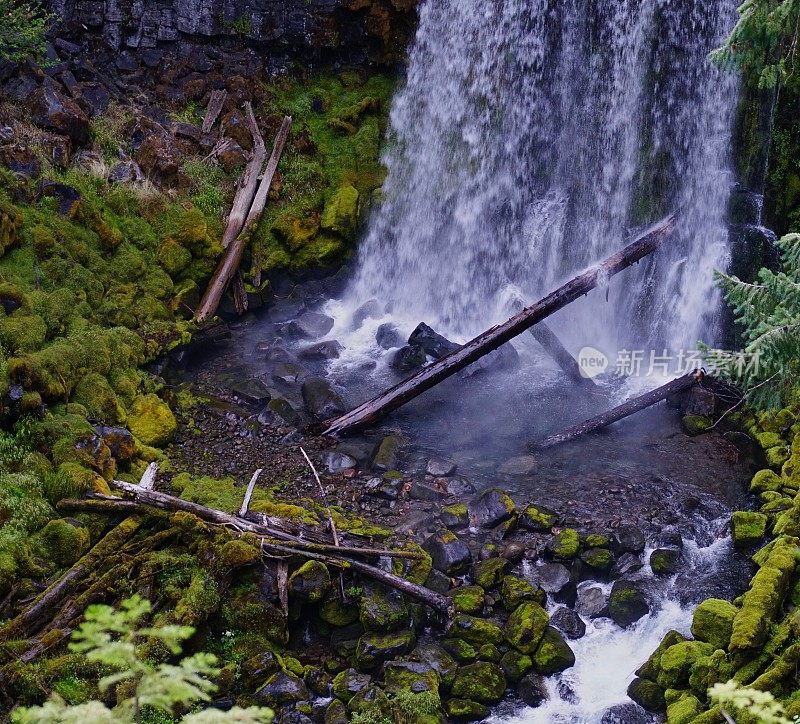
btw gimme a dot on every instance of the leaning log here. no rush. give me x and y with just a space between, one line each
621 411
248 182
552 345
374 409
229 264
442 604
215 104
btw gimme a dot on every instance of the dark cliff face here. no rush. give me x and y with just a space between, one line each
353 31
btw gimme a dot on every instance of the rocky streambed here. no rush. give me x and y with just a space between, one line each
566 568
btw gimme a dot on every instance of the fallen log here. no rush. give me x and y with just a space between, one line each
229 264
442 604
552 345
374 409
621 411
215 104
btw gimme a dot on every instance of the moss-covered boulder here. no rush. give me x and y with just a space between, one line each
684 710
627 603
468 599
382 609
515 665
676 663
538 518
647 694
490 508
414 676
696 424
455 516
448 553
310 582
373 649
713 622
526 626
282 689
460 650
476 631
482 681
553 653
64 541
710 670
464 710
766 480
651 668
764 598
515 590
598 559
747 528
438 659
347 683
95 393
151 420
336 613
340 215
489 573
665 561
565 545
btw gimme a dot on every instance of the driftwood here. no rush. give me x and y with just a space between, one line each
552 345
251 486
215 104
441 604
247 183
229 264
621 411
374 409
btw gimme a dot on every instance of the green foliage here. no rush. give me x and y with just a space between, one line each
769 314
763 45
22 30
113 639
760 704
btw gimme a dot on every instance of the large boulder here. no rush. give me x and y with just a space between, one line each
677 661
310 325
647 694
526 626
151 420
347 683
433 343
713 622
321 400
532 689
629 539
408 358
627 603
747 528
538 518
160 158
566 620
482 681
553 654
282 689
373 649
477 631
381 608
310 582
54 112
340 215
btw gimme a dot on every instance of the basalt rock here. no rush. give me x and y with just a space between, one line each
375 648
532 689
322 351
526 626
553 654
449 554
665 561
627 603
310 582
566 620
629 539
491 508
388 336
54 112
538 518
281 689
408 358
321 400
433 343
483 682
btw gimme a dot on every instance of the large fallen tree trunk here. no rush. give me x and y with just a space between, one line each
248 182
441 604
229 264
621 411
552 345
408 389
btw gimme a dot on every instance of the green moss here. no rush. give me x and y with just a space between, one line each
553 653
468 599
200 600
600 559
22 332
514 590
566 544
464 710
713 622
597 540
676 663
460 650
151 420
526 626
482 682
747 528
696 424
337 613
310 582
63 541
489 573
476 631
538 518
99 400
765 480
684 710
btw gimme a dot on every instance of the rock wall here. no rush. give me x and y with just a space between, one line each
350 30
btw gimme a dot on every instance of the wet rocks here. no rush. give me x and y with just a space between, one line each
408 358
387 487
468 599
713 622
348 683
647 694
491 508
440 468
309 325
569 622
629 539
591 601
321 400
600 560
553 653
310 582
388 336
431 342
665 561
371 309
553 577
526 626
374 649
464 710
520 465
281 689
538 519
385 457
747 528
322 351
336 462
532 689
565 545
489 573
627 603
482 681
381 609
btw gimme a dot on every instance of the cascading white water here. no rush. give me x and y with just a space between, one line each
529 136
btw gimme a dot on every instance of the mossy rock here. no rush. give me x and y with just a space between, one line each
234 554
566 544
627 603
468 599
713 622
684 710
482 681
553 653
340 215
95 393
676 663
310 582
600 559
515 665
22 332
374 649
765 480
11 221
526 626
515 590
477 631
151 421
464 710
651 668
382 609
336 613
647 694
64 540
489 573
460 650
696 424
347 683
538 518
597 540
455 516
747 528
665 561
767 440
710 670
174 257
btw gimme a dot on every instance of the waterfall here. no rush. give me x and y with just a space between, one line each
529 139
